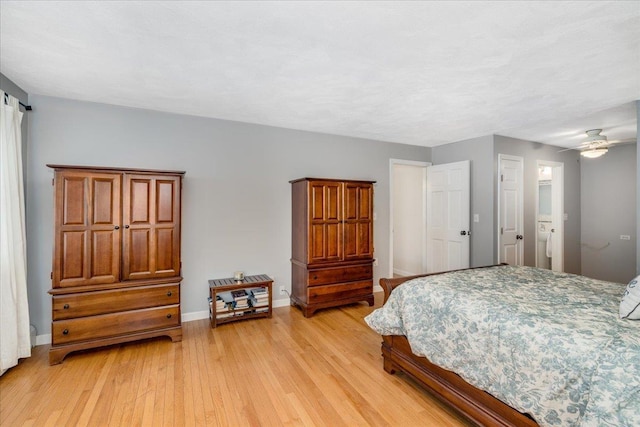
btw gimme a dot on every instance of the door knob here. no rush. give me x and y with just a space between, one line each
463 233
519 237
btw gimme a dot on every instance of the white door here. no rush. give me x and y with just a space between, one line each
510 189
448 193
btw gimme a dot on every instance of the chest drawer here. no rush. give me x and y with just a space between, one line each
114 324
327 293
327 276
102 302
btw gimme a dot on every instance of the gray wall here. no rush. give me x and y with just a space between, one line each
480 152
609 211
532 152
236 200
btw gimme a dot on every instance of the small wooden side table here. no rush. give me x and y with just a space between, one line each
217 286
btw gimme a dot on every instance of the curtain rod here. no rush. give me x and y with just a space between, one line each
26 107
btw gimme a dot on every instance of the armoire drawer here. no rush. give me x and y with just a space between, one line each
340 274
84 304
319 294
114 324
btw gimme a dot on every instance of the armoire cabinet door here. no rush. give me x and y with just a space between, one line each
358 223
151 226
87 220
325 221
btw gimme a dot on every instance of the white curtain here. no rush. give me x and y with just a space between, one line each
15 339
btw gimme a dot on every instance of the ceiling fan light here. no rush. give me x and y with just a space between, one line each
594 152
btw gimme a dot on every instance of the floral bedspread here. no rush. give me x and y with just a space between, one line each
548 344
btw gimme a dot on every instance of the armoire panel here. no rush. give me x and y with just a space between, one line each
333 246
102 256
165 201
74 200
350 240
332 202
103 201
365 203
164 250
73 255
139 251
317 242
351 210
317 202
140 201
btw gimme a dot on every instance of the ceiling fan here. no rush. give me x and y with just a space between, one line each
594 145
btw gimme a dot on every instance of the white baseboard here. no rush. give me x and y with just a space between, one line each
397 272
43 339
195 315
186 317
280 303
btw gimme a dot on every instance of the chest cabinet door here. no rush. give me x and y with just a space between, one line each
151 219
325 221
358 220
87 219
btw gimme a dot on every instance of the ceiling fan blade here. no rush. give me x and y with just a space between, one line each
567 149
622 141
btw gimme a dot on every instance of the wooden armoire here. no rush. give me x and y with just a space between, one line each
116 257
332 243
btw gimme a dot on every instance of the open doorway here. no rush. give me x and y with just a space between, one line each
550 216
408 220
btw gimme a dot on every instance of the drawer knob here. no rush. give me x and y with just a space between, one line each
66 306
169 316
169 294
315 277
65 332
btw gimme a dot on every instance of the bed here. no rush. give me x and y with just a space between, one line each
515 346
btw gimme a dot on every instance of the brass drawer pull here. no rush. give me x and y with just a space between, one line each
169 294
169 316
65 332
66 306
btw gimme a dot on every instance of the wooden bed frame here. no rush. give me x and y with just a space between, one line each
476 405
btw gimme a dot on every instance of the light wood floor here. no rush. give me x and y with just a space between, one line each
288 370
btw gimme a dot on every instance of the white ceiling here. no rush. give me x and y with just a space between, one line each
423 73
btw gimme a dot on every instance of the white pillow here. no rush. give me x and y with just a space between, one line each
630 304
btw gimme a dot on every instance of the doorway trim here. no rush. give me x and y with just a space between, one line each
424 165
557 214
